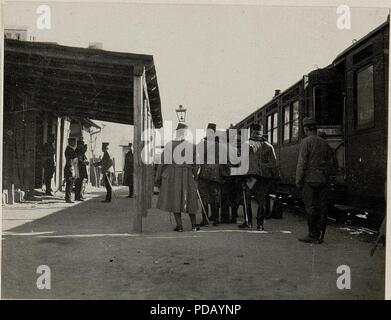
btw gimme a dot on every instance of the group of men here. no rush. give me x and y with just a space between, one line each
75 169
220 190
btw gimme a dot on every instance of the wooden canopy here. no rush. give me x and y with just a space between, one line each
92 84
80 82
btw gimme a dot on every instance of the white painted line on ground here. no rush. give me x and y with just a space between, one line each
245 231
114 235
7 233
48 235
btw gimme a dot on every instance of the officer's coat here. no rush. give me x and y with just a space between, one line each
70 156
128 169
178 191
262 160
314 156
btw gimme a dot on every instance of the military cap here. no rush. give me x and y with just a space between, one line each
309 122
105 144
211 126
181 125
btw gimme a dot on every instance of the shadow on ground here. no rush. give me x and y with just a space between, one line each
92 254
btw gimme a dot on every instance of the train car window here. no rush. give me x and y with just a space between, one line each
291 122
269 128
286 126
295 121
272 128
365 98
275 128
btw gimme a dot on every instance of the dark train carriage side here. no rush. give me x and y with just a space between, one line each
281 119
364 67
349 100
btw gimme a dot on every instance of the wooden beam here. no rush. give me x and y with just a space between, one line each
138 123
48 69
36 63
96 56
41 78
80 100
77 91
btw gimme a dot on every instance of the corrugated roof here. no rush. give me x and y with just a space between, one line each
80 82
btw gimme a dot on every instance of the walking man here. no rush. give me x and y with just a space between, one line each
106 165
128 171
49 165
69 171
314 165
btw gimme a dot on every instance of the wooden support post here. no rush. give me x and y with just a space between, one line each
138 102
144 165
58 176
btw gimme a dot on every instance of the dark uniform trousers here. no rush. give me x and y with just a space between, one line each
107 176
315 202
231 194
68 187
260 191
78 187
210 192
48 176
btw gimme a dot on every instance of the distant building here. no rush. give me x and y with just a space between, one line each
15 33
95 45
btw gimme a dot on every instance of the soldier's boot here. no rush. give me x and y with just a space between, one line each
309 239
260 226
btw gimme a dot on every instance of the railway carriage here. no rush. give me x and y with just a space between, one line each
349 100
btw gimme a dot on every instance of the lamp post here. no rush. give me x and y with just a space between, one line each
181 113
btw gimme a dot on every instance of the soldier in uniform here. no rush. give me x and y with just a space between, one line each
49 165
261 174
69 172
209 178
106 165
82 166
128 171
231 191
314 165
176 179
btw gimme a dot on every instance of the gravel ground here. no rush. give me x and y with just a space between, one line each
92 254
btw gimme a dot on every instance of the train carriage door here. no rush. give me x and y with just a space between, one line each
328 110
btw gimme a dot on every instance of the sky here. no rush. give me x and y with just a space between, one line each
221 62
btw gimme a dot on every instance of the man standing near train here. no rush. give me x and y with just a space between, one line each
314 165
261 174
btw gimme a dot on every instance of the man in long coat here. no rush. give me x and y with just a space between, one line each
69 171
314 165
176 178
49 165
128 171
